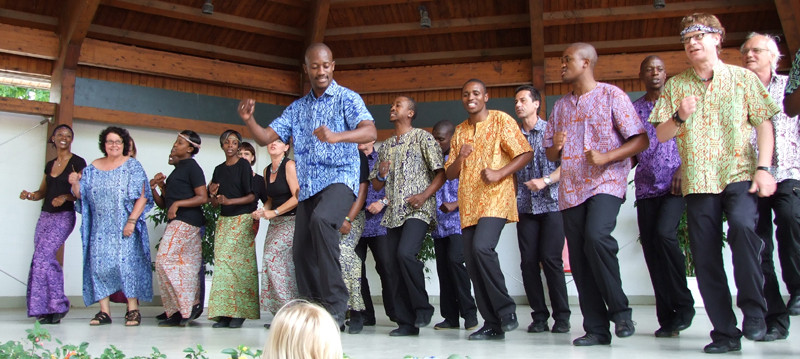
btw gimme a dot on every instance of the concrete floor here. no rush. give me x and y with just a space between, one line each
374 342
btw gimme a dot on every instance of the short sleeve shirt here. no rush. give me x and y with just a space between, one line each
714 142
235 181
414 157
372 223
446 223
658 162
321 164
786 157
602 120
546 199
181 183
495 142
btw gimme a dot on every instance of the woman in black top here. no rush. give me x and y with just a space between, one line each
278 285
180 252
46 298
234 288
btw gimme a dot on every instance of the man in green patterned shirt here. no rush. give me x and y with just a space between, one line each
711 110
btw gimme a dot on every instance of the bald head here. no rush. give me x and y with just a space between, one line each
586 52
317 48
445 127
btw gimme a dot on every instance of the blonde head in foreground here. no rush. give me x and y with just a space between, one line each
302 330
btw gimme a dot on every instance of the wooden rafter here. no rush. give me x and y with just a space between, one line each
536 18
789 13
166 9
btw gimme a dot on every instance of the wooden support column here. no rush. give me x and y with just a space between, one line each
789 13
316 33
536 10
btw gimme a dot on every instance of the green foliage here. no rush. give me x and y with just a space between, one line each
24 93
426 253
159 216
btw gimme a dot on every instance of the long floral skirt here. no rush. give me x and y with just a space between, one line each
278 284
46 277
234 284
177 263
351 263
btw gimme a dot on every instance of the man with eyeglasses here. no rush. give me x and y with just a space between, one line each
711 110
594 130
760 54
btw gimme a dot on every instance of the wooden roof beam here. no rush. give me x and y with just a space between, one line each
789 13
439 26
181 12
536 12
320 9
339 4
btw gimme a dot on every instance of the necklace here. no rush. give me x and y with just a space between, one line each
271 171
59 162
706 80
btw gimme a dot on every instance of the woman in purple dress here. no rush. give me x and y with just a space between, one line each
46 298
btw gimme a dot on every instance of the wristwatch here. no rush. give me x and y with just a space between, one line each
677 119
547 180
277 213
385 201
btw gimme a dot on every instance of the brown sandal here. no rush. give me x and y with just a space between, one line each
101 317
133 318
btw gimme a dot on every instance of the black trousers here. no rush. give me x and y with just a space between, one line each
541 242
316 248
594 263
455 291
384 257
786 204
483 267
408 285
704 213
658 219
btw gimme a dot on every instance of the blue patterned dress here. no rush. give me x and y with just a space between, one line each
112 262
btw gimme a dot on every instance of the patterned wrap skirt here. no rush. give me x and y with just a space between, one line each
278 284
177 263
46 277
234 284
351 263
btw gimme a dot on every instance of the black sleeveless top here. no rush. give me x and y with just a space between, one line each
59 185
279 190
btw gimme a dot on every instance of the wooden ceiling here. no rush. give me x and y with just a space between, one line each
376 34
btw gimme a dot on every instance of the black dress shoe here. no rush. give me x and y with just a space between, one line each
356 323
624 328
236 323
45 319
664 332
683 319
720 346
422 320
222 322
404 331
174 321
162 316
471 323
754 328
538 326
774 333
590 339
55 318
560 326
445 325
369 322
266 326
509 322
487 333
793 305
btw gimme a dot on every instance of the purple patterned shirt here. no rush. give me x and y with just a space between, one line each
602 120
658 162
447 223
546 200
372 225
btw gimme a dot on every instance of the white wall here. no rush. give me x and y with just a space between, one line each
21 164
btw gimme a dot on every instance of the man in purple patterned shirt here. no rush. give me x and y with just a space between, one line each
455 291
540 230
659 207
760 54
374 238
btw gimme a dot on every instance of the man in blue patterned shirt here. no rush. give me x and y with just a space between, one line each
540 230
326 124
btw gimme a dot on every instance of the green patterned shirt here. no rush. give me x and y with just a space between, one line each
794 75
714 143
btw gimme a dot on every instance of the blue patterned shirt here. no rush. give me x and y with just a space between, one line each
546 200
447 223
321 164
372 226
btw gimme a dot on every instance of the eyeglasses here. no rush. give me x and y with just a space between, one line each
697 37
113 142
755 50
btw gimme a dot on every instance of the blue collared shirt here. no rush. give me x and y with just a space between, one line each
372 225
321 164
546 200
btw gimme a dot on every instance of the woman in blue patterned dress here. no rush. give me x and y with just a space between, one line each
113 199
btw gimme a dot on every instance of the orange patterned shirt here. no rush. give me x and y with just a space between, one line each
495 142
